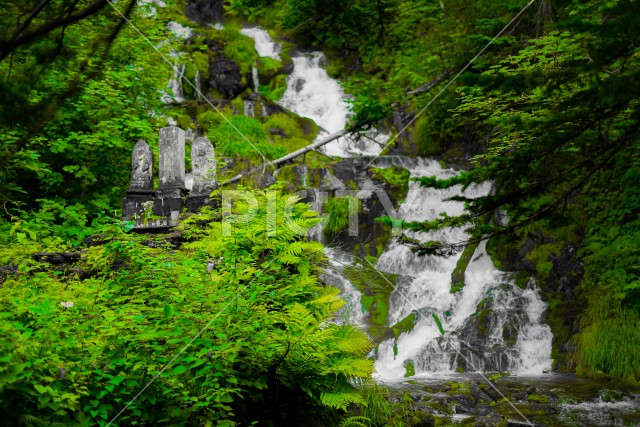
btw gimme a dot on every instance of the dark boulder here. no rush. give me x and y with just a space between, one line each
226 77
205 11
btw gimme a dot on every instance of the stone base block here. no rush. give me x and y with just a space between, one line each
168 207
132 204
194 203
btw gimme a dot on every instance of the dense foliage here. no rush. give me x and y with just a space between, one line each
232 326
73 101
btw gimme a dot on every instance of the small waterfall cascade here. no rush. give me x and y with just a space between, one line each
249 108
175 86
352 312
312 93
491 324
198 87
256 79
265 45
317 199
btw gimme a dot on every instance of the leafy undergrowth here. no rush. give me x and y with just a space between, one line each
229 328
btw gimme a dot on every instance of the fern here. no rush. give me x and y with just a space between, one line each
341 399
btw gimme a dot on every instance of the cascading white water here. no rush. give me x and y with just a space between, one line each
515 339
312 93
175 86
352 312
265 46
256 78
198 87
424 285
249 108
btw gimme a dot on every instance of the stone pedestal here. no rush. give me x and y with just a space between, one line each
194 203
132 204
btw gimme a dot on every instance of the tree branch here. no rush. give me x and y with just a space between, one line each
6 47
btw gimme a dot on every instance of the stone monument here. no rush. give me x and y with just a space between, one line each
204 173
171 187
141 187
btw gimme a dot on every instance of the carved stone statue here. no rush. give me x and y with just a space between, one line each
203 166
142 168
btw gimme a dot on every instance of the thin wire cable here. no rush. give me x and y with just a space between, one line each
432 100
176 70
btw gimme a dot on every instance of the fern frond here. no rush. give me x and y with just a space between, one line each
357 421
341 400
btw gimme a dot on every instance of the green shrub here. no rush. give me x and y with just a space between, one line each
225 345
338 213
425 138
229 138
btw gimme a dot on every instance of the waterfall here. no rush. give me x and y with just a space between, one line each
491 324
256 79
198 87
312 93
265 46
514 337
249 108
352 312
175 86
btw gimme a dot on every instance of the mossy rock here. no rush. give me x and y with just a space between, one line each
424 137
268 68
539 398
410 369
376 290
458 273
482 316
397 178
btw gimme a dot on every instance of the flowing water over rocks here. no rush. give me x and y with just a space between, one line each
479 320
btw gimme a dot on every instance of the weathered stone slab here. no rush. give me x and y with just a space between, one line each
203 166
141 168
171 165
132 205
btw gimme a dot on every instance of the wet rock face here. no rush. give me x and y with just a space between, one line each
205 11
226 77
566 272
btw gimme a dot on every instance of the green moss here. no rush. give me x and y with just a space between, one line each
338 210
457 276
240 49
540 398
268 68
201 62
521 279
402 327
238 104
397 178
424 137
230 143
410 370
181 117
211 119
286 123
376 290
499 248
276 89
482 328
